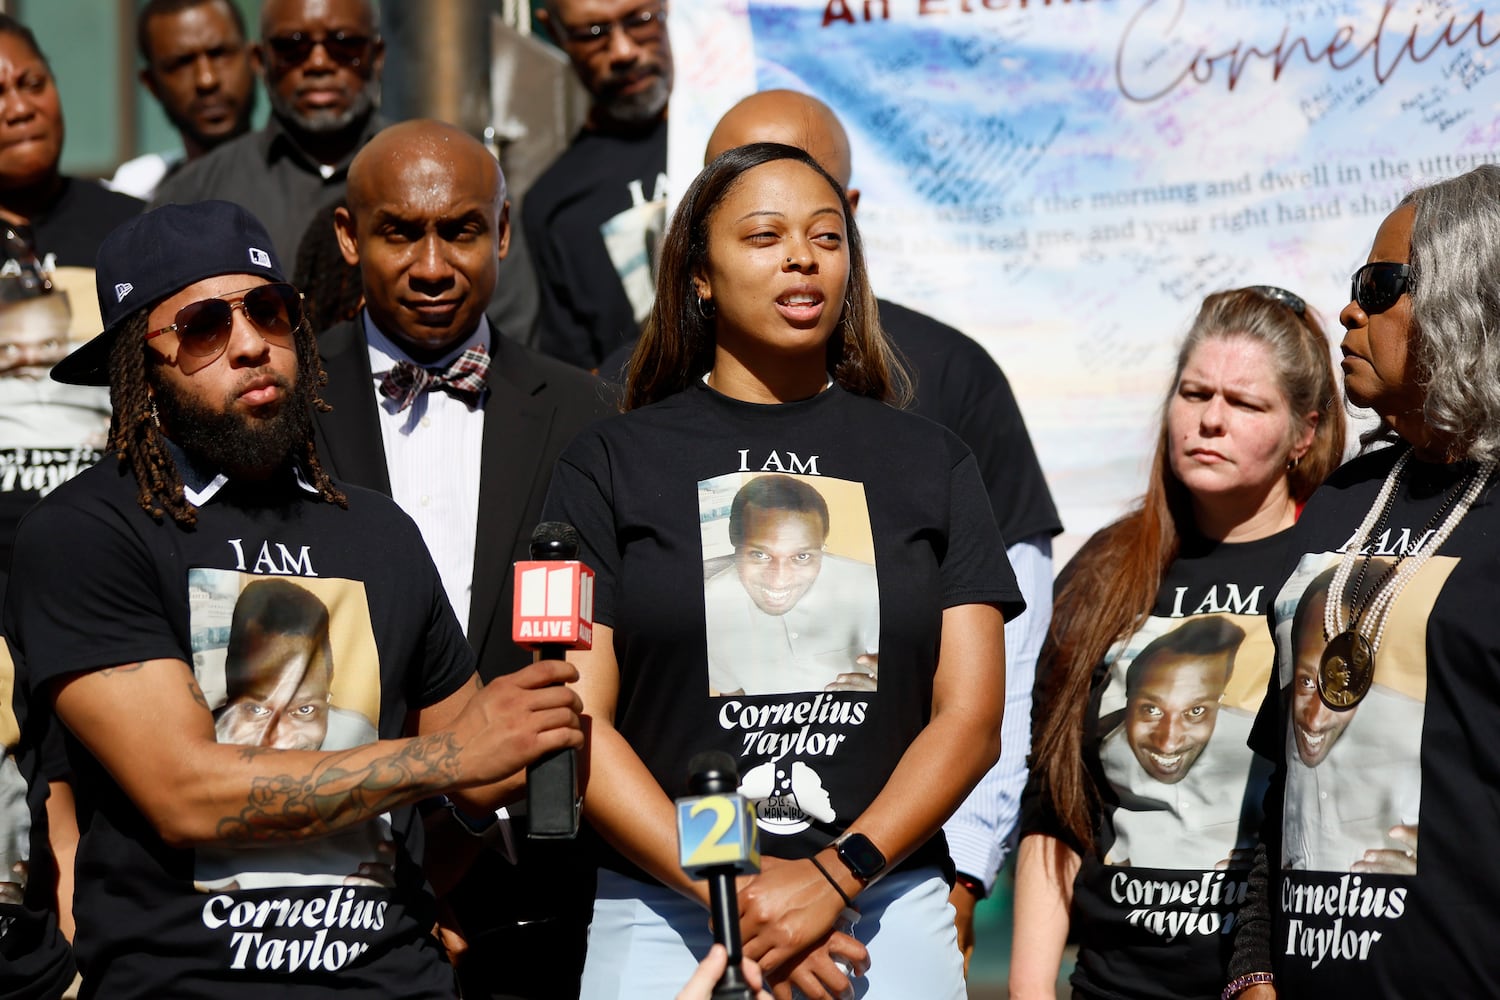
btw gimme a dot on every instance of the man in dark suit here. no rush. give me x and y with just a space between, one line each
461 427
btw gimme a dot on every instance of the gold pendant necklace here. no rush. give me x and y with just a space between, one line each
1347 667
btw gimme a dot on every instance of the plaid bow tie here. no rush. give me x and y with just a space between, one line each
463 379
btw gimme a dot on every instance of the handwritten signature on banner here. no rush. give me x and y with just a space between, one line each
1157 53
1150 61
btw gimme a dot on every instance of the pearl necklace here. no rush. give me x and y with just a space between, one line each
1347 667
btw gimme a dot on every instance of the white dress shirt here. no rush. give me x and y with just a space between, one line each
983 830
432 451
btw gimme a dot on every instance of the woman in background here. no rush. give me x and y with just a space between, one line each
1144 799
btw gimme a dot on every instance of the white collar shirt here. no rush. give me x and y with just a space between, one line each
432 452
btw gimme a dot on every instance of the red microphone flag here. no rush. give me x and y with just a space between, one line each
554 604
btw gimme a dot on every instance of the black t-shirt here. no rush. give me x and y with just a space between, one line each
1419 750
35 960
859 525
592 222
86 211
272 585
960 386
1170 712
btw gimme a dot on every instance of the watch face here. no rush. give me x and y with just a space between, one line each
863 858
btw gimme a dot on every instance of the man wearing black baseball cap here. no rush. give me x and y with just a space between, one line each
216 869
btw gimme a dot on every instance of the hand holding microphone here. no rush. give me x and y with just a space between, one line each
554 612
717 840
711 969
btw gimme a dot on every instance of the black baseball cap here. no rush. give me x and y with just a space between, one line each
157 254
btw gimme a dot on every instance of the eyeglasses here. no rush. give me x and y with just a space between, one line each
1291 300
203 327
1376 287
641 25
343 47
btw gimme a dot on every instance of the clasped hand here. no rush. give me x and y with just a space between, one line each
787 918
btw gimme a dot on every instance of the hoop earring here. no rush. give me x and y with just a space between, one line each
706 308
1292 463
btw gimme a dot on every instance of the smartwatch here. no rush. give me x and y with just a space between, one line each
972 885
860 856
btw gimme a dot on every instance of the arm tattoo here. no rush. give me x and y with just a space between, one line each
338 792
197 693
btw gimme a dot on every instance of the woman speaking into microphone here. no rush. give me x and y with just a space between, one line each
793 571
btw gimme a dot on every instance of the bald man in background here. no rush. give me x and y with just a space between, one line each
469 457
959 386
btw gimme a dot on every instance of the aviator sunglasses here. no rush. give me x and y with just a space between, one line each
343 47
1376 287
203 327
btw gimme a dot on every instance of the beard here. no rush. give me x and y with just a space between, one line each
224 439
631 110
326 120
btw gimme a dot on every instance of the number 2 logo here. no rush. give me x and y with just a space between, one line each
712 850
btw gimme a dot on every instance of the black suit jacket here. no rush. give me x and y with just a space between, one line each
535 406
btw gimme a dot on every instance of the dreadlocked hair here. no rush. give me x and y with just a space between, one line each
136 439
331 287
133 434
310 372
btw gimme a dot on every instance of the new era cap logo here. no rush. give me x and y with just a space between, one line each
260 258
123 289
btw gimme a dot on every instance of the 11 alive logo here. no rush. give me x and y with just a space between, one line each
554 604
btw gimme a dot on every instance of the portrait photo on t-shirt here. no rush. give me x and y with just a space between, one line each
631 239
1176 711
289 663
1354 778
790 593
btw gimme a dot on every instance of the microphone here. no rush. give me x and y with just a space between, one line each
717 839
554 612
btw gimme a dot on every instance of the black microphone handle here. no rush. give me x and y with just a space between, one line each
552 783
724 917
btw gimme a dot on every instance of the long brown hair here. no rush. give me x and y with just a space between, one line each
138 442
1110 587
677 341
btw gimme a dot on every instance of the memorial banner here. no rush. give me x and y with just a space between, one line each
1064 181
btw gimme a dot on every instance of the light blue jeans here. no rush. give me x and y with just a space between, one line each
646 940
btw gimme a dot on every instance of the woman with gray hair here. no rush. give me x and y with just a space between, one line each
1410 637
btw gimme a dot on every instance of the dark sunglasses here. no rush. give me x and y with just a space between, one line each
641 25
1376 287
203 327
343 47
